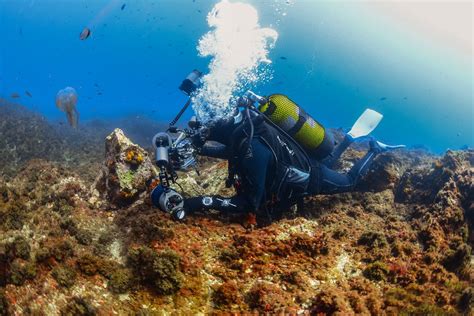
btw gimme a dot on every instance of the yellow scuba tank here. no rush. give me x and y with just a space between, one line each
311 135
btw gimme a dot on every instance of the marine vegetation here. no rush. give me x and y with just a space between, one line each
70 245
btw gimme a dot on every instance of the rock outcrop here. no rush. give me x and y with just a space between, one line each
127 172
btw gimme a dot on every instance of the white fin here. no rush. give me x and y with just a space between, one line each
385 147
365 124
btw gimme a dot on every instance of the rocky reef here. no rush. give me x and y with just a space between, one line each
400 244
127 172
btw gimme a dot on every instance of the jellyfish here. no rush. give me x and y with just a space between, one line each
66 100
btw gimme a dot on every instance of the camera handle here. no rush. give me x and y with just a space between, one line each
181 112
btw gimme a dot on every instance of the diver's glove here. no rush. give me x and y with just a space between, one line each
169 201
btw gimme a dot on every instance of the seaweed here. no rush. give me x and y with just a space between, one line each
18 248
78 306
160 271
227 294
121 281
21 271
64 275
376 271
372 239
3 303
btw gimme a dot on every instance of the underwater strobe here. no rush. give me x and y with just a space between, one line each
162 196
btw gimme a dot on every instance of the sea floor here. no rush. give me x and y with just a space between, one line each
72 243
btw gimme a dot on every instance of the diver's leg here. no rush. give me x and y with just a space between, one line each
334 156
361 167
335 182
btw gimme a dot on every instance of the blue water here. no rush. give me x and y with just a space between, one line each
333 58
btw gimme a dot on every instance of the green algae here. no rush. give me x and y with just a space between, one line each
466 302
126 179
64 275
458 258
157 270
376 271
78 306
62 250
372 239
63 207
121 281
88 264
3 303
18 248
84 237
20 272
13 216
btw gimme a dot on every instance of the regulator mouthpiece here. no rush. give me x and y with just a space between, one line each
191 83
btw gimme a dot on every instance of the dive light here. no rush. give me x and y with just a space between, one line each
191 83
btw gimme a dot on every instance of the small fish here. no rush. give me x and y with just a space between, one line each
86 32
28 93
123 6
283 57
15 95
383 99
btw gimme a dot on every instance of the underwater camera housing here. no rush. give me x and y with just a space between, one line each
174 150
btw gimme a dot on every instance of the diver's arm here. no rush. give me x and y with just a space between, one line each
214 150
254 169
236 204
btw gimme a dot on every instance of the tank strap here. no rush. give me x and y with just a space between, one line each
271 108
301 120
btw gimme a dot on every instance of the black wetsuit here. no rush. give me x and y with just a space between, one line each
273 169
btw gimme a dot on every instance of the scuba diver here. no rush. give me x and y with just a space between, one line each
276 156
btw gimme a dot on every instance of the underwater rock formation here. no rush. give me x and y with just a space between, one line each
401 244
127 173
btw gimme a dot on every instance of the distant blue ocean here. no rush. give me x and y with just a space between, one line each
334 58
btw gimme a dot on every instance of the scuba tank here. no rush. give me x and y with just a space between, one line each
307 132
